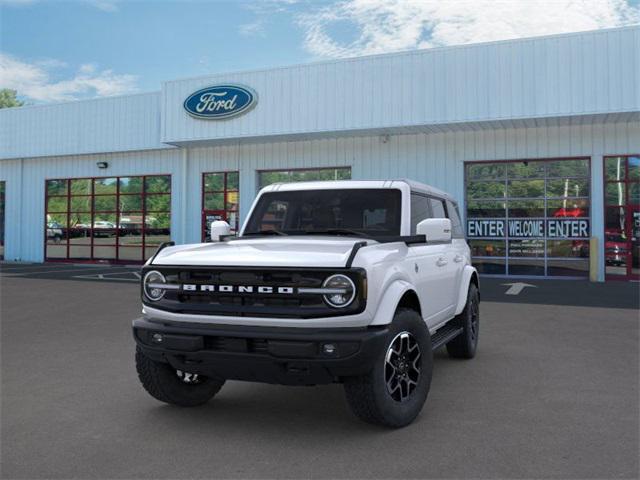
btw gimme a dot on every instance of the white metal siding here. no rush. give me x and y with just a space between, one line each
112 124
558 76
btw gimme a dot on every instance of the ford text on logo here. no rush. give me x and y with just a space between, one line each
220 101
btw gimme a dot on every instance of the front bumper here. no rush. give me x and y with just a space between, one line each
288 356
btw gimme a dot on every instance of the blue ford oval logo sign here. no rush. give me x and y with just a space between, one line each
220 101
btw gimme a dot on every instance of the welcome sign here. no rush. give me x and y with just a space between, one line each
220 102
528 228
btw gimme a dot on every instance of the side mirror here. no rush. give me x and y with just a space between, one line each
435 229
219 228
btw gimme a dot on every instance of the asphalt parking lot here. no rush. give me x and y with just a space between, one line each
552 393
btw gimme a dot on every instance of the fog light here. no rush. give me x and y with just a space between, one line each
329 348
157 338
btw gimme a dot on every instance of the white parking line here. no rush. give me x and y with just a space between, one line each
103 276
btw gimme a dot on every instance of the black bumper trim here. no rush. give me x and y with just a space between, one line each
289 356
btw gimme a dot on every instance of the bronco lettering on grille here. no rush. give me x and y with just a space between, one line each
190 287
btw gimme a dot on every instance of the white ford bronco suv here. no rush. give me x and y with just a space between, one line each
355 282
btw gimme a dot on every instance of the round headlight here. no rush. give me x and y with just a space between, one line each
152 285
343 290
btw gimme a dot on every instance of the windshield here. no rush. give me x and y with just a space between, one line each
356 212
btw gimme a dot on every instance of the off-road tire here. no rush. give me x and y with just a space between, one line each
368 395
163 383
466 344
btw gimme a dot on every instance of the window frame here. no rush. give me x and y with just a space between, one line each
117 213
225 198
505 178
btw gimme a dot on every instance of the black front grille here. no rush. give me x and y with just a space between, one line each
254 304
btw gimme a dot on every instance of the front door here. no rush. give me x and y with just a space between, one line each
622 217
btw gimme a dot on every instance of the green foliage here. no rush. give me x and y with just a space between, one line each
8 98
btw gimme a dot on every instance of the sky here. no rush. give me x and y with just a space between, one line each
53 50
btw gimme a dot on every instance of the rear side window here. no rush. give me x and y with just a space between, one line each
456 223
437 208
419 210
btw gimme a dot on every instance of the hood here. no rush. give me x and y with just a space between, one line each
308 251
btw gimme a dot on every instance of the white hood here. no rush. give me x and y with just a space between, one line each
308 251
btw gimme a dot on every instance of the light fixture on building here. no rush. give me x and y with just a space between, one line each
102 164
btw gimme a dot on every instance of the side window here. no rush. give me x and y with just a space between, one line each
456 224
437 207
419 210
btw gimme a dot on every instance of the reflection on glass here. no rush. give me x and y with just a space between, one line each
615 193
568 248
56 187
130 185
213 182
568 187
566 268
132 254
233 181
130 236
527 169
485 209
104 203
130 203
80 204
486 171
525 188
57 204
614 168
634 193
518 266
158 203
56 250
525 208
487 248
485 189
158 184
489 266
614 218
526 248
634 168
104 252
80 252
569 208
214 201
81 186
568 168
105 186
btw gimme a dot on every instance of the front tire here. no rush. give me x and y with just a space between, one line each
466 344
394 391
172 386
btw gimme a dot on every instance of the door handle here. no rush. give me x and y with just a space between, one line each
441 262
458 258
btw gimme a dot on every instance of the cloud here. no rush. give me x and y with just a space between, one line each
34 80
381 26
252 29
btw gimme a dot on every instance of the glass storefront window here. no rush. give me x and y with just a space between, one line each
529 214
622 217
220 197
104 218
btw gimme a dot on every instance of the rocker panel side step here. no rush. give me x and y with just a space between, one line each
444 335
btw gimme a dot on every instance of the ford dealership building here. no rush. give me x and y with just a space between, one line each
538 139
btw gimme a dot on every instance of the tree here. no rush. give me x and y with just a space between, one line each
8 98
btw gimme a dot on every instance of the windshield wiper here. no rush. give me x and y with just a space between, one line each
337 231
265 232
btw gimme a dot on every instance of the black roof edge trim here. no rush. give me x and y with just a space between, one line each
354 250
160 248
